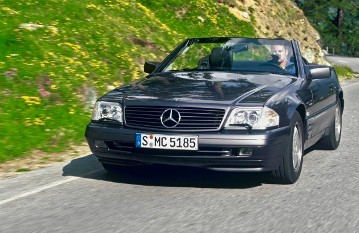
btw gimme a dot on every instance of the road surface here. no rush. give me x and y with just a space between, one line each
79 196
351 62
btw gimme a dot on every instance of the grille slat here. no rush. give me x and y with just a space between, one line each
196 119
192 118
202 116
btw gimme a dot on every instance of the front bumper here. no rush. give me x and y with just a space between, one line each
217 150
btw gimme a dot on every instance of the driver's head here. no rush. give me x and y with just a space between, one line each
279 52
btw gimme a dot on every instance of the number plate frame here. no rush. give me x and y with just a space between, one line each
167 142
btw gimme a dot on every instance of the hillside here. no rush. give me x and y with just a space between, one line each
337 21
59 56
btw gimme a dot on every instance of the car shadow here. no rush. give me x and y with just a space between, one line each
164 175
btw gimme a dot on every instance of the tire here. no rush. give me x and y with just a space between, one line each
290 167
332 140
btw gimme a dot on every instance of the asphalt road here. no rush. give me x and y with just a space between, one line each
351 62
79 196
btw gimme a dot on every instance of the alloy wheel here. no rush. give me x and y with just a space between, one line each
338 125
297 150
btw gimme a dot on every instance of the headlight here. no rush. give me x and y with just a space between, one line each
253 118
107 111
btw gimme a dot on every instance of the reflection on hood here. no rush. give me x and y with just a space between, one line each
208 86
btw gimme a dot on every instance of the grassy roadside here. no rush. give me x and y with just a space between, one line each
344 72
58 56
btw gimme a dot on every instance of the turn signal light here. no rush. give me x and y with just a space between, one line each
245 152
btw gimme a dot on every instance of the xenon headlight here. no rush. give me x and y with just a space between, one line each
107 111
252 118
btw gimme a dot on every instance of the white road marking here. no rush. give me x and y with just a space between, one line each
42 188
51 185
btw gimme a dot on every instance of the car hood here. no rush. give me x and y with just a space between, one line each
203 87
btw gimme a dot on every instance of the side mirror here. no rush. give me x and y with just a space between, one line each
319 72
150 66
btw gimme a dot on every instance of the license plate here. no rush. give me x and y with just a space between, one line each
171 142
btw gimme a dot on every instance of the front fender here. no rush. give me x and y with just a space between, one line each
287 101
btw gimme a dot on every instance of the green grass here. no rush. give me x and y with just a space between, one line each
344 72
23 170
78 50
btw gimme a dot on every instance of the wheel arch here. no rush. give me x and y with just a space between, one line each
302 112
300 108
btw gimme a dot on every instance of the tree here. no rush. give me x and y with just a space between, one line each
336 20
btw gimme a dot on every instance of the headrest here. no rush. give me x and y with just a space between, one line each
220 58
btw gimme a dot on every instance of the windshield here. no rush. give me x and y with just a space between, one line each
236 54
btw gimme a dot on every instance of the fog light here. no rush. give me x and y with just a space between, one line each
100 144
245 152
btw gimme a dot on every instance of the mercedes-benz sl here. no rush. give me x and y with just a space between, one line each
227 104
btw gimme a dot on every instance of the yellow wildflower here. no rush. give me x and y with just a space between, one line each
38 121
30 100
9 10
81 76
70 60
93 6
73 46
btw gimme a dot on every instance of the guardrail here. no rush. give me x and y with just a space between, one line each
350 51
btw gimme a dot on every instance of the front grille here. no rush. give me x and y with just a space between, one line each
192 118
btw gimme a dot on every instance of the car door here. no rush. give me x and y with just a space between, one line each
324 99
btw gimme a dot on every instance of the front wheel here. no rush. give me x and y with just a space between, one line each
290 167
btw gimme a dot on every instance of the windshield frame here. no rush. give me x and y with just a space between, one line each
165 65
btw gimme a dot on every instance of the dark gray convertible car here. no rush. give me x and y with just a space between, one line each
227 104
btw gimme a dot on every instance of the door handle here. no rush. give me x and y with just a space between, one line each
331 88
